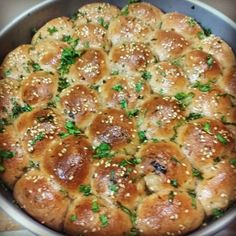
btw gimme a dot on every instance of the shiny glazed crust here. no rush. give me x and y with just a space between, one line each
120 122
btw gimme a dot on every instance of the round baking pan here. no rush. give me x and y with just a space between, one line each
20 31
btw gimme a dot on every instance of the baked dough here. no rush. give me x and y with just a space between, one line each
120 122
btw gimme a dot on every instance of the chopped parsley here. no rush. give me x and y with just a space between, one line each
221 138
5 155
193 196
184 98
36 67
207 127
210 60
103 151
171 196
174 183
146 75
104 220
142 136
132 161
68 58
192 22
125 10
73 42
133 113
113 188
204 34
232 162
132 214
7 72
123 104
71 128
85 189
202 87
194 116
115 72
102 22
52 30
138 87
197 173
217 213
133 1
117 87
95 206
73 218
38 137
33 165
62 84
18 109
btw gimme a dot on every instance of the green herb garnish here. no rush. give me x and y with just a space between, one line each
36 67
52 30
117 87
210 60
146 75
17 109
192 22
207 127
197 173
125 10
38 138
194 116
104 220
202 87
217 213
123 104
193 196
103 151
138 87
221 139
184 98
102 22
174 183
232 162
85 189
130 213
71 128
95 206
73 218
142 136
133 113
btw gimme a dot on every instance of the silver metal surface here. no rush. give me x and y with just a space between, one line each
19 32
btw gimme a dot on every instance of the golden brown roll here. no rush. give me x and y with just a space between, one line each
120 90
214 103
147 13
220 49
56 28
93 216
80 104
115 128
13 156
41 197
39 88
168 213
117 180
167 79
204 140
90 68
164 167
130 57
218 188
168 44
159 117
17 64
39 129
47 54
91 35
125 29
9 94
182 24
94 12
201 66
69 162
